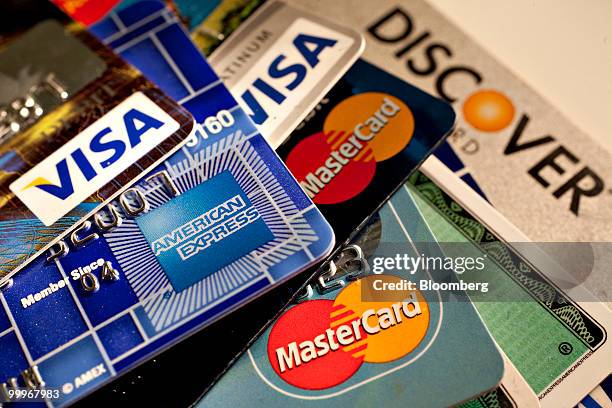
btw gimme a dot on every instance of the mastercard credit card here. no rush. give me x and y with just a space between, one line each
216 224
349 343
280 63
556 179
362 141
77 124
419 202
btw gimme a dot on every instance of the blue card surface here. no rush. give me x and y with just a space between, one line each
218 223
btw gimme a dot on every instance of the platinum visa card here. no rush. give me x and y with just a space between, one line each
510 145
281 62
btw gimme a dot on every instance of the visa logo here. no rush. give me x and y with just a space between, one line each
289 70
93 158
308 47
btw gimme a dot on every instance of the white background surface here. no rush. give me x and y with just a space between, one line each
562 49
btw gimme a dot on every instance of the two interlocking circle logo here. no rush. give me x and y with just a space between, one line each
321 343
338 163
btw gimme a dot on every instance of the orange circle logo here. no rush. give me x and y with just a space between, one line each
338 163
381 121
488 110
321 343
394 328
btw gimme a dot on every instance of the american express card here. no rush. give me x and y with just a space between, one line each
76 125
281 62
218 223
530 162
410 121
345 344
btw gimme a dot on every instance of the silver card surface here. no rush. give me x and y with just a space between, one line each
281 62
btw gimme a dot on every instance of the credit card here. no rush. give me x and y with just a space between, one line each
557 339
210 22
538 169
513 392
362 141
430 119
350 343
553 344
218 223
281 62
77 124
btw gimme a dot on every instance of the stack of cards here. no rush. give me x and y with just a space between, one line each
178 243
547 177
267 226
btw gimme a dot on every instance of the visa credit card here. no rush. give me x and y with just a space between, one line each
77 124
216 224
350 343
281 62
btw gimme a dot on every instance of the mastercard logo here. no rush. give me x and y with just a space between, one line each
321 343
338 163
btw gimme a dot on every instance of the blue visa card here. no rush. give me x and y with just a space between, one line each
216 224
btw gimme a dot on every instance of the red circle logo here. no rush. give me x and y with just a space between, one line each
307 353
321 343
339 178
